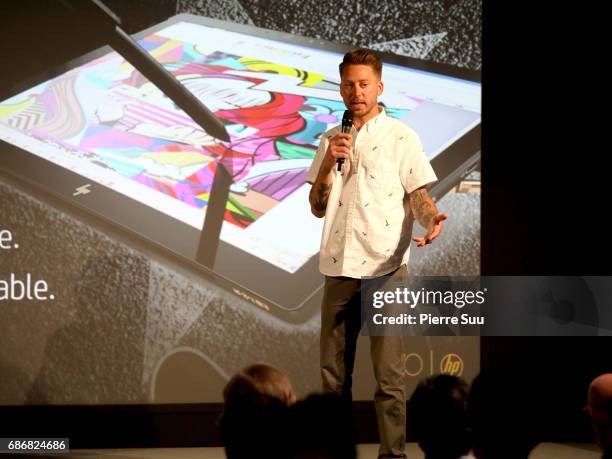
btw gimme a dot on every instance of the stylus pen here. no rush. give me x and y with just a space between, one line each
94 11
150 68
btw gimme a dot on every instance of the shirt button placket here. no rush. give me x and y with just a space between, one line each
351 199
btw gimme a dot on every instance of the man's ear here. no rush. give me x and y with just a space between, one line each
381 86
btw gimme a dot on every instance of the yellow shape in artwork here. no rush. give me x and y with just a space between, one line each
228 206
10 109
309 78
170 45
159 51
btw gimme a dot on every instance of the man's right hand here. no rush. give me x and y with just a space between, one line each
339 147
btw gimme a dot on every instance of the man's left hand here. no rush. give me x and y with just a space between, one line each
433 232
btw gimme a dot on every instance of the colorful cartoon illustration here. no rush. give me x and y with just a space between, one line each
111 114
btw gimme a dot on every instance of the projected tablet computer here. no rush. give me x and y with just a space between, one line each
104 139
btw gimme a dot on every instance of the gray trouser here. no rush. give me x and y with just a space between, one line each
340 326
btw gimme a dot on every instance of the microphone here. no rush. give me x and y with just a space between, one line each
347 123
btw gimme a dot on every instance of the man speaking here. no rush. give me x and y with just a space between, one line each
369 199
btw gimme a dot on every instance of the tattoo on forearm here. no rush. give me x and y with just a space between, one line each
423 207
321 196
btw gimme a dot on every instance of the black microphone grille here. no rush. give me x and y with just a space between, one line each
347 118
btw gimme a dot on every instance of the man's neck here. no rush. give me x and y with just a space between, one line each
360 122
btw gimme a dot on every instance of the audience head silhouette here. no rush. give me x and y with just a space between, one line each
253 422
504 423
438 414
599 408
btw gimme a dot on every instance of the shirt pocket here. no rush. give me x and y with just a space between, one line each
377 173
382 175
381 185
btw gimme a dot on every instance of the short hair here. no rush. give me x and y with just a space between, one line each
362 56
260 378
438 410
256 403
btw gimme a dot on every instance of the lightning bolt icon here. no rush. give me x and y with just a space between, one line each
84 189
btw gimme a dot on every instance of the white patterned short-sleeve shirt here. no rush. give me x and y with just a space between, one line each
368 220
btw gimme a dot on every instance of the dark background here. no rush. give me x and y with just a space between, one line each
545 173
545 183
